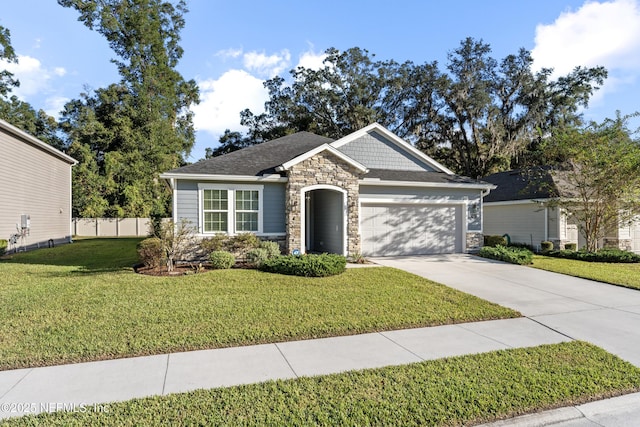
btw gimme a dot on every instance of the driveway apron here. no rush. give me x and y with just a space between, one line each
605 315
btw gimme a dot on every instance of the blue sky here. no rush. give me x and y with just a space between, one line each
232 46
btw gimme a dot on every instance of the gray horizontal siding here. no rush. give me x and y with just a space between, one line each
273 197
37 183
376 152
274 210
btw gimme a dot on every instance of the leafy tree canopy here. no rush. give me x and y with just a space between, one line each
600 164
478 115
131 131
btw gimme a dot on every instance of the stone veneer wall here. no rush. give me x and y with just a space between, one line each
474 241
323 168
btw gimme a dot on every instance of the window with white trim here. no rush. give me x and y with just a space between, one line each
230 208
216 211
247 210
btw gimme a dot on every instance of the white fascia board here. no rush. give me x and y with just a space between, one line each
401 143
20 134
319 149
517 202
381 183
233 178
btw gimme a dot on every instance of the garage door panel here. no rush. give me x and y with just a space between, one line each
410 229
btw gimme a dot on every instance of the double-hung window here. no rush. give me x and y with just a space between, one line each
231 208
247 209
216 211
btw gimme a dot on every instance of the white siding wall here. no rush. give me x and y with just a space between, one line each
36 183
524 223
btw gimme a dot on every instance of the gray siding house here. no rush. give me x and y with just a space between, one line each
368 193
520 207
35 189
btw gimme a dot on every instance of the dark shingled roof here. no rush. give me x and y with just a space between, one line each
538 183
258 159
419 176
262 159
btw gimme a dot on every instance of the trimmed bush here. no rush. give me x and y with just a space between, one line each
272 248
513 255
215 243
570 246
546 246
151 252
257 256
3 246
221 260
310 265
495 240
603 255
521 245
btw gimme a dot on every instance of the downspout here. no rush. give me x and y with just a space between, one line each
546 223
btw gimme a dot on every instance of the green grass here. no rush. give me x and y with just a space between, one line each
627 275
83 302
457 391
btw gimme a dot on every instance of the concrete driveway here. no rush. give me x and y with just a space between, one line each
605 315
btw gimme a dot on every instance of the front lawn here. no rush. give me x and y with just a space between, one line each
463 390
83 302
627 275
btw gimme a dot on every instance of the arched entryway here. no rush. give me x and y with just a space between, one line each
324 219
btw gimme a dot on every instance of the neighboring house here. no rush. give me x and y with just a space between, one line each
35 190
369 193
520 207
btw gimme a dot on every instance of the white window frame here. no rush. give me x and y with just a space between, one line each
205 211
231 207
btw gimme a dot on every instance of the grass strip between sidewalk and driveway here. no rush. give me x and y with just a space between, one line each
83 302
463 390
621 274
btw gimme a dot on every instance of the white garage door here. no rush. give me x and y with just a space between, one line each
410 229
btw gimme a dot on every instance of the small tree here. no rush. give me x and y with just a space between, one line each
600 166
174 239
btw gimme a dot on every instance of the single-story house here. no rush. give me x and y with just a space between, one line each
520 207
368 193
35 189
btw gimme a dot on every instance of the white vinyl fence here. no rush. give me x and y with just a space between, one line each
110 227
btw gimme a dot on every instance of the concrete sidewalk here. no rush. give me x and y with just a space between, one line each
35 390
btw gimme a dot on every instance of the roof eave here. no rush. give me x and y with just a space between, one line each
30 139
219 177
381 183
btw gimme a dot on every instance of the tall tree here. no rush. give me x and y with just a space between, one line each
600 164
20 113
7 54
477 116
141 126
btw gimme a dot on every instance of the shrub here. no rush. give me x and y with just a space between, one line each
3 246
603 255
150 252
257 256
221 260
272 248
215 243
306 265
508 254
521 246
495 240
570 246
546 246
174 240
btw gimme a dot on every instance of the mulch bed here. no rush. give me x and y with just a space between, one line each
181 269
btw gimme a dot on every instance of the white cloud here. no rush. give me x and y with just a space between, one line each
54 105
33 76
311 60
222 100
229 53
598 33
267 65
